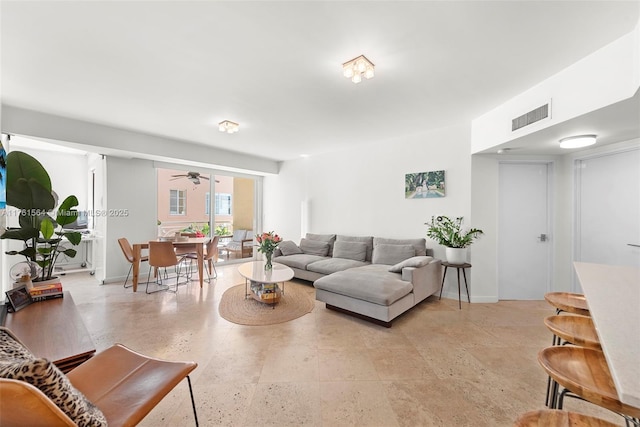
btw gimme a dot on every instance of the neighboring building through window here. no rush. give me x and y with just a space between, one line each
177 202
223 204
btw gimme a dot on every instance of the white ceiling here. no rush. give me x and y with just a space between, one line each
177 68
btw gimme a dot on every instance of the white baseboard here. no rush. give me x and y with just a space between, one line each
474 298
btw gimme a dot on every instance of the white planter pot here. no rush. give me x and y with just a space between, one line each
456 255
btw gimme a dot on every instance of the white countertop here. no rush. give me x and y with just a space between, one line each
613 297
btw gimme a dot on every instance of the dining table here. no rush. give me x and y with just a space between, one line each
612 293
197 242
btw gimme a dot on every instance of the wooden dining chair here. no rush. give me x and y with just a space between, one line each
162 255
127 251
210 257
186 249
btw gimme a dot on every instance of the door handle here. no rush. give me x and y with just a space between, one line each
542 237
631 244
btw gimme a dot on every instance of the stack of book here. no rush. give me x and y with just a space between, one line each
45 292
268 291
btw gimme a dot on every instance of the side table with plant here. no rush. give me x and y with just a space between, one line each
449 233
267 244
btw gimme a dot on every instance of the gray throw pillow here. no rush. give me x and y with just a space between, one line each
314 247
392 254
289 248
356 251
418 244
416 261
329 238
368 240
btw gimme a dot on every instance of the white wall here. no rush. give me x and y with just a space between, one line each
361 191
131 185
605 77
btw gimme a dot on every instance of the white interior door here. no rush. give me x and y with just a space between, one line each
523 231
608 223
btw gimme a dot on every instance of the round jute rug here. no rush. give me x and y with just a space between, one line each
297 301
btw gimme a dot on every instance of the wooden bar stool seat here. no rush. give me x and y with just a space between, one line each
569 302
577 330
583 372
556 418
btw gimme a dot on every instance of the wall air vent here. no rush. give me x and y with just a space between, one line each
532 116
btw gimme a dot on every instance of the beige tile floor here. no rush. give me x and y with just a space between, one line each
437 365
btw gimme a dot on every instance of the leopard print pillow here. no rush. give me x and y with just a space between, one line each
10 349
18 363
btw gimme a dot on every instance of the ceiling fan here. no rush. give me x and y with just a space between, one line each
191 176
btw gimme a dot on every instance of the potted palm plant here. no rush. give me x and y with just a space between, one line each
28 187
449 233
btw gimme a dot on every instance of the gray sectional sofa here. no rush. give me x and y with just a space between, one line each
371 277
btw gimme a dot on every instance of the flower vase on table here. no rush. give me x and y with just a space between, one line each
267 243
267 264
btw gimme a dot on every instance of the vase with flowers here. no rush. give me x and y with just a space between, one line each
267 243
449 232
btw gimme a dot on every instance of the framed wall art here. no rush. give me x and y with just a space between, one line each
424 185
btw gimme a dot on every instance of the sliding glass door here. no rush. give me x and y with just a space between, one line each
186 205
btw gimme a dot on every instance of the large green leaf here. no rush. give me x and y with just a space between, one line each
23 234
70 252
73 236
30 196
66 213
47 228
28 184
21 165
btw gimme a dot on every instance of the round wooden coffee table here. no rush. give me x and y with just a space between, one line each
263 285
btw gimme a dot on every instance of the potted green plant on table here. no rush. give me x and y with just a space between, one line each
28 187
267 243
449 233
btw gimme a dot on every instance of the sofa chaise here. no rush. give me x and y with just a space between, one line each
370 277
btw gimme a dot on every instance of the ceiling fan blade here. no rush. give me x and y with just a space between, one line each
203 177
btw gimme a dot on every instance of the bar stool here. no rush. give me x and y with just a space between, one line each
556 418
569 302
576 330
584 373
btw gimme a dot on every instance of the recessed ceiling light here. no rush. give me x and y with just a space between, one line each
578 141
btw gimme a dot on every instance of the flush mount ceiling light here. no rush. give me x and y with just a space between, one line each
357 68
228 126
577 141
